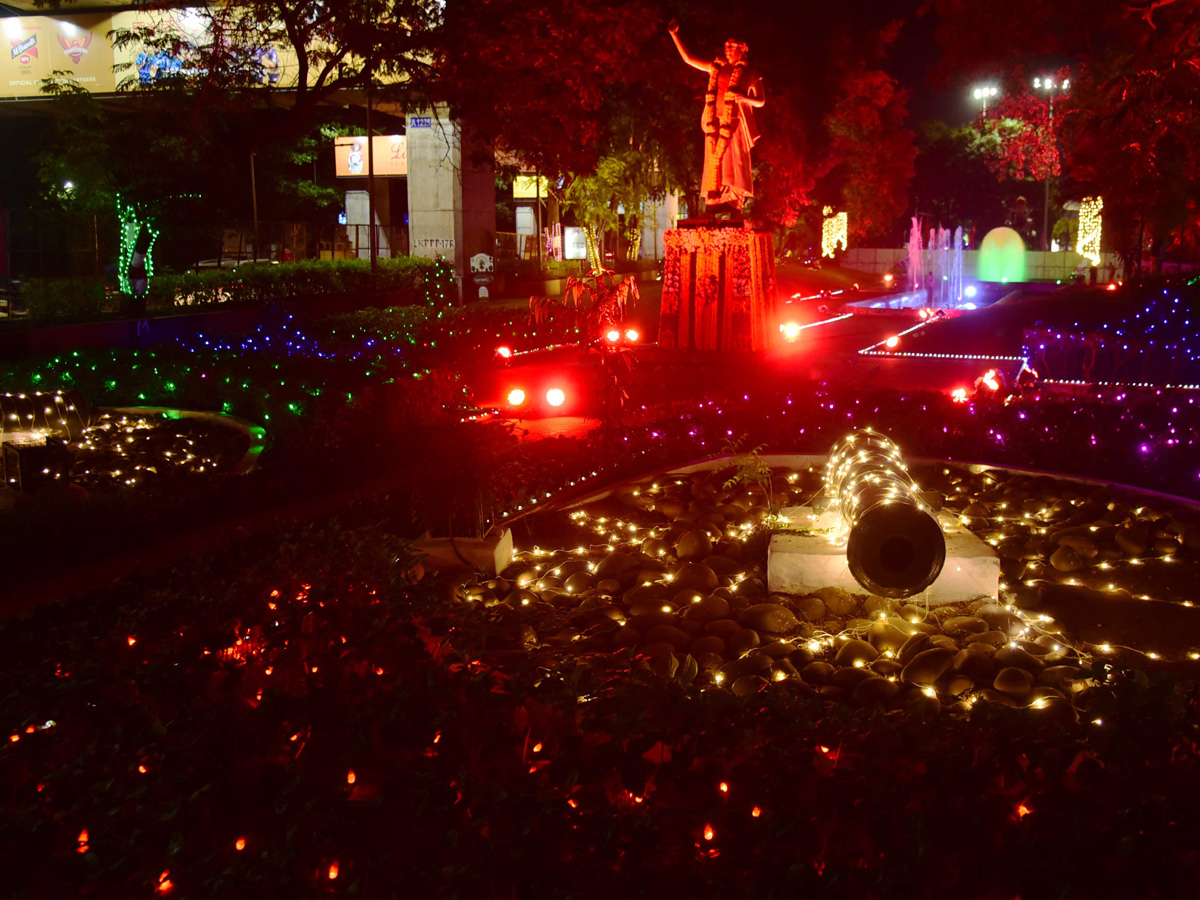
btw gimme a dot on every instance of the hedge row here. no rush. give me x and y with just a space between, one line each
406 279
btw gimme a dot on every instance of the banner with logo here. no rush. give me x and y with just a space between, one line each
77 47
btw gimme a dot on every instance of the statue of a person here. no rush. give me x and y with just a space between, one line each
734 92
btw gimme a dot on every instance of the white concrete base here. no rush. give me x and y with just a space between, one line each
491 554
802 563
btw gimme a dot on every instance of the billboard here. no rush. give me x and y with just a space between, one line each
75 46
350 155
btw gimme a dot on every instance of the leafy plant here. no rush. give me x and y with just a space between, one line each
750 469
591 304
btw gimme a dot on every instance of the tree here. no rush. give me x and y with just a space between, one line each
953 183
1129 130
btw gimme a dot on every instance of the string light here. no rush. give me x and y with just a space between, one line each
1090 225
834 231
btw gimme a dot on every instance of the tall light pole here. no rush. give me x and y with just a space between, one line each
1051 87
983 92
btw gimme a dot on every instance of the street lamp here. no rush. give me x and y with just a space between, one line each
983 92
1051 87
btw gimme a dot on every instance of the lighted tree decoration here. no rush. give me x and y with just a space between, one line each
138 234
1090 225
834 229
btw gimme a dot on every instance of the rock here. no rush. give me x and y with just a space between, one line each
801 657
693 576
748 685
777 649
748 665
1057 711
944 641
850 677
608 586
886 636
741 640
1014 682
855 653
708 643
991 695
1165 546
693 545
525 577
578 583
1087 548
722 627
1060 677
1065 559
927 666
1018 658
668 634
1190 538
812 608
618 565
964 625
974 665
838 601
655 548
722 565
874 605
911 647
627 636
770 617
888 668
519 598
959 685
991 638
716 607
646 607
817 672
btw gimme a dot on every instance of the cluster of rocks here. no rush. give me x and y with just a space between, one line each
116 449
1063 531
678 582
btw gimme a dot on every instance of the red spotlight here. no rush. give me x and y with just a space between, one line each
1112 286
555 397
516 397
613 335
631 335
505 352
892 342
790 331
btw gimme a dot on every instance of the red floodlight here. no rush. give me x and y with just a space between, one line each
631 335
613 335
555 397
505 352
516 397
892 342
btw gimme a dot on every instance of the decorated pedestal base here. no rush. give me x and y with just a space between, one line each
718 288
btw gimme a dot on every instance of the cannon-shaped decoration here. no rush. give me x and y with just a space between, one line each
895 546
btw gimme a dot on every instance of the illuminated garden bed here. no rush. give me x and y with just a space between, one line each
672 568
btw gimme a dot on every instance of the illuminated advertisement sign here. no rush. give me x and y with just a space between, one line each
350 155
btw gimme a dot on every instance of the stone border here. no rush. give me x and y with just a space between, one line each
256 433
800 460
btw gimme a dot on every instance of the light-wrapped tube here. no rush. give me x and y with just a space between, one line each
895 546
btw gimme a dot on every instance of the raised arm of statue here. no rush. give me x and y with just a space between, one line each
687 57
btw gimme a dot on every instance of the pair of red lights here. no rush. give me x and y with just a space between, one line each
613 335
554 396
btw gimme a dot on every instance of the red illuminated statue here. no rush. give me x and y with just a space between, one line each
734 92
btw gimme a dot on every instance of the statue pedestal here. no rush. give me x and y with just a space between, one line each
718 288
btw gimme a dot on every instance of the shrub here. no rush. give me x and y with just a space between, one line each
54 301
